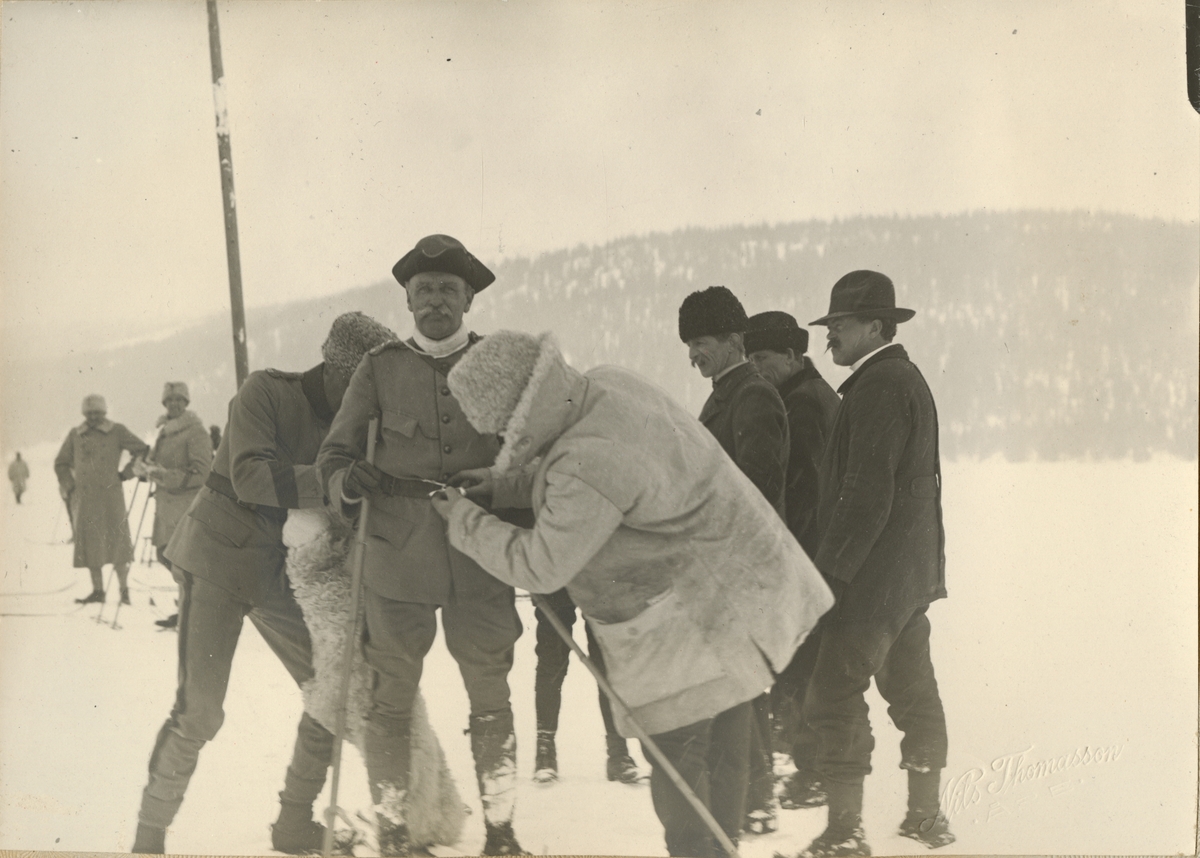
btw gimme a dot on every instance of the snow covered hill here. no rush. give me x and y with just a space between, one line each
1065 654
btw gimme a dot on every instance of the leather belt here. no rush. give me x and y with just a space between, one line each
222 486
407 487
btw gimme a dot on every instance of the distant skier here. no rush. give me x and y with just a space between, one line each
177 467
18 473
214 432
228 549
90 483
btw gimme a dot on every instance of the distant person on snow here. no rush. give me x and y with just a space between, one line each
689 578
776 345
214 432
882 552
178 467
746 415
228 550
90 483
18 473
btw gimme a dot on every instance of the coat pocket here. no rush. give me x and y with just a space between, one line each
399 422
658 654
222 522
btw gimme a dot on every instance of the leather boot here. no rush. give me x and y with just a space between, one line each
620 766
494 746
545 766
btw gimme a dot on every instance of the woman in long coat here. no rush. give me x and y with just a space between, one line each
178 466
90 482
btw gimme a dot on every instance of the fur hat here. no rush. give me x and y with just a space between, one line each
176 388
710 312
864 293
775 330
443 253
489 380
352 336
94 402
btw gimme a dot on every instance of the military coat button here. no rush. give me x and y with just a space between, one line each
446 449
445 391
445 418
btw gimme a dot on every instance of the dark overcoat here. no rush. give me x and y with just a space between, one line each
746 415
423 434
880 508
811 405
87 468
232 534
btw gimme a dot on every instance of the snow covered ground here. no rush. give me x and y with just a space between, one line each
1066 655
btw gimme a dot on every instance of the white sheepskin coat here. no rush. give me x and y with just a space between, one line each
320 551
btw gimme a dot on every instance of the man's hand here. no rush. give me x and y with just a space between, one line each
140 469
475 483
445 499
362 480
127 471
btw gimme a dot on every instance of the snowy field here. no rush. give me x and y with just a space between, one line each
1066 656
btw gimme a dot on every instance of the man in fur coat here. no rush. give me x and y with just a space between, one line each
90 484
229 551
688 577
777 346
411 572
178 467
882 552
746 415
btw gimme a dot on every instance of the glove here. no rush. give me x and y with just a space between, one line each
362 479
126 472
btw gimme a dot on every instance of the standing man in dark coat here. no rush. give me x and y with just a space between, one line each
411 571
747 417
228 550
18 473
882 552
90 483
777 346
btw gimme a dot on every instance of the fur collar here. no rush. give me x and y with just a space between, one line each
105 426
186 420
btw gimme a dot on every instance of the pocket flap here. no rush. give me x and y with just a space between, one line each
397 421
221 521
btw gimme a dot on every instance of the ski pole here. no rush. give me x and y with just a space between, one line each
125 522
121 601
697 805
356 573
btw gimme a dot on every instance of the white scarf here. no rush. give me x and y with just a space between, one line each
447 346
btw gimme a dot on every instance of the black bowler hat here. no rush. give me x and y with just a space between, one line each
446 254
775 330
864 293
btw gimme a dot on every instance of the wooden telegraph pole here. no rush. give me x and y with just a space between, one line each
232 253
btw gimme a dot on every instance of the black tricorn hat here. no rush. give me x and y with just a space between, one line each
443 253
710 312
864 293
775 330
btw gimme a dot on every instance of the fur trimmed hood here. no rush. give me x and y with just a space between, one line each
173 426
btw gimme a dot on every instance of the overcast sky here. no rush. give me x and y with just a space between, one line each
520 127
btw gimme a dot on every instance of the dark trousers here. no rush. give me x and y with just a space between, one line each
210 621
895 650
480 636
712 756
553 658
787 701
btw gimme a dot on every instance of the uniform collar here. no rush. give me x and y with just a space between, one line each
730 379
313 385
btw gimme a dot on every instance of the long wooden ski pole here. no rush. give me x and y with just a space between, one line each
356 573
697 805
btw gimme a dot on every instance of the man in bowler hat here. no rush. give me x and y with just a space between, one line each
746 414
882 552
777 346
411 570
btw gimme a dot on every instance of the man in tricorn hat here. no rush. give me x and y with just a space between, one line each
882 552
411 570
746 414
228 551
777 346
90 484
